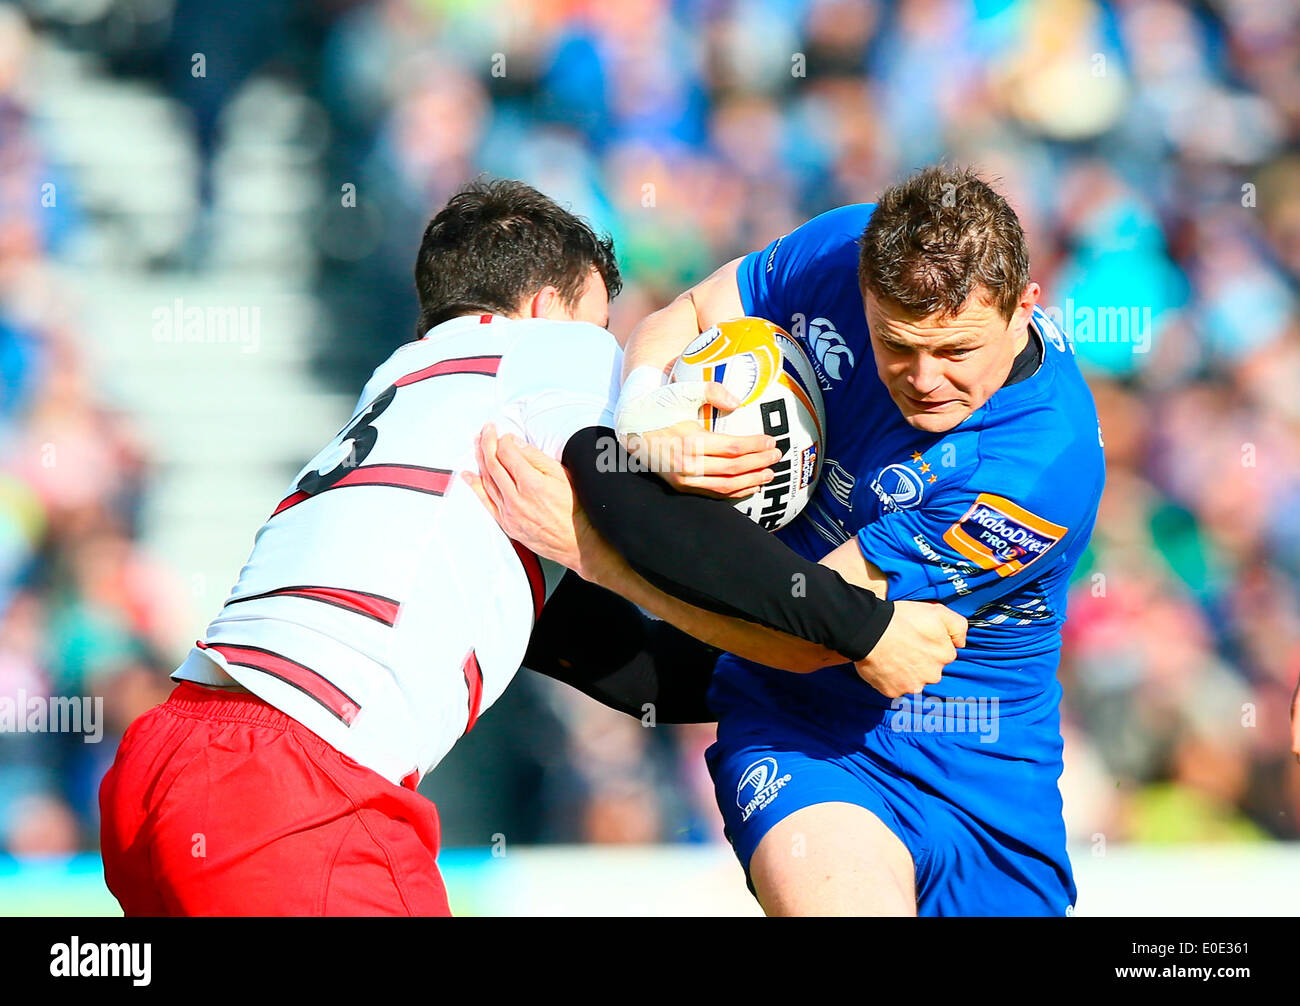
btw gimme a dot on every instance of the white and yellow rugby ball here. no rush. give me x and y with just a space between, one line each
771 375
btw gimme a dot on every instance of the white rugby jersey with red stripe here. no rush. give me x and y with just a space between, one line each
382 607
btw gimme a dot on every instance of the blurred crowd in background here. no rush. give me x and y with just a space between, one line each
1151 148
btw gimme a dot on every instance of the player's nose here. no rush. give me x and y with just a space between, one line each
925 374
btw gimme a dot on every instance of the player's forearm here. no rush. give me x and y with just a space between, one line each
609 649
707 554
745 639
660 337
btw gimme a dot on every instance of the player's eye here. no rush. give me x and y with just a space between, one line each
959 354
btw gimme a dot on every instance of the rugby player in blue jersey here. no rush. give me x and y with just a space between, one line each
963 466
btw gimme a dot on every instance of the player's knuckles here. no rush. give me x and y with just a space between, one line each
747 483
688 483
923 635
523 465
891 688
944 650
730 466
936 630
494 462
749 445
747 462
723 485
528 476
707 445
759 461
516 467
914 684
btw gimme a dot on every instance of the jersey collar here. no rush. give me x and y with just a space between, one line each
462 321
1036 385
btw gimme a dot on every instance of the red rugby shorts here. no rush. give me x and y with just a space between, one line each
219 804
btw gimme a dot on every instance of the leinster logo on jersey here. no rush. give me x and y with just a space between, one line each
997 534
759 785
902 487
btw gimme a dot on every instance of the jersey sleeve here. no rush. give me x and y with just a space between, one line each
972 545
562 378
794 265
707 553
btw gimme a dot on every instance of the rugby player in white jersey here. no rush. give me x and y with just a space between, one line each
382 610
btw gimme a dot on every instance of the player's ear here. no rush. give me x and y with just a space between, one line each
546 303
1025 309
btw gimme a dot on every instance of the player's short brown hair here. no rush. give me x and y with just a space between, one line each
938 236
498 241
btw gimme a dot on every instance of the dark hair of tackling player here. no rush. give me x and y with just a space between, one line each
499 241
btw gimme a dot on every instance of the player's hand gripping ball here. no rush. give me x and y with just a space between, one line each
773 379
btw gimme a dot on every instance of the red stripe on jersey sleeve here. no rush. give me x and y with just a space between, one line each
376 606
293 499
486 366
381 609
536 578
474 683
425 480
414 477
302 677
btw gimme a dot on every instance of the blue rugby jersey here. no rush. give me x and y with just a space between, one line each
989 518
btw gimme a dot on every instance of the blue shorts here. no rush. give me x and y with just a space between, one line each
971 791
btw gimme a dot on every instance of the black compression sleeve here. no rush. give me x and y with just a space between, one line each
707 553
605 647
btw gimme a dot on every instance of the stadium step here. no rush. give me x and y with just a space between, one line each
203 346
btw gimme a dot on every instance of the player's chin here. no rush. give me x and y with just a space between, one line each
935 420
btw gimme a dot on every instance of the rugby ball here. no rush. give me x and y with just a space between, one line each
774 379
